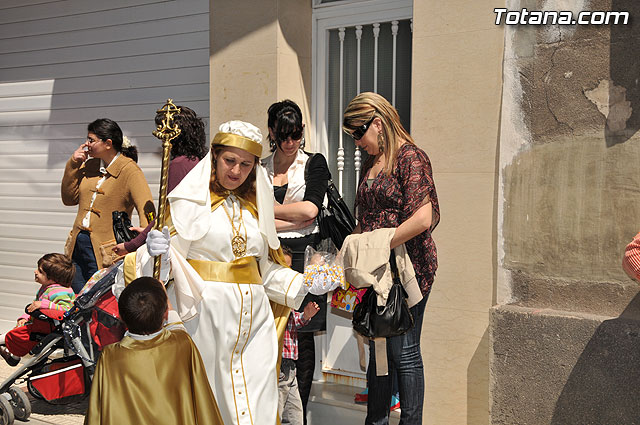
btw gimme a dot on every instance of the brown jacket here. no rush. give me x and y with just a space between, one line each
124 188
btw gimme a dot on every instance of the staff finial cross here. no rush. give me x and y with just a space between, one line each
168 131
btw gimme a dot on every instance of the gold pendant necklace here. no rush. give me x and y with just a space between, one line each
238 243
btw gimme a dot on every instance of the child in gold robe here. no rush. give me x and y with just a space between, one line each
155 374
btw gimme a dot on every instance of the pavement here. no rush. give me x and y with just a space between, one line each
43 413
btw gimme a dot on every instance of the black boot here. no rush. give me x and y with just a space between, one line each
9 358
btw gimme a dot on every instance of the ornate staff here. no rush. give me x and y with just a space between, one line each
167 131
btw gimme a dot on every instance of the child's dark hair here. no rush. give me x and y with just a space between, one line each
105 129
142 305
57 267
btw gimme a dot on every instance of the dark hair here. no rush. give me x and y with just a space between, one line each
192 141
285 120
286 250
57 267
105 129
142 305
246 190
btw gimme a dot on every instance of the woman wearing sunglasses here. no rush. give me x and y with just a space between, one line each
396 190
299 186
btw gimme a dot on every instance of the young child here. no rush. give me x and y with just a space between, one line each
290 403
155 375
54 273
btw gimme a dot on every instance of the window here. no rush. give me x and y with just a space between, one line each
358 45
367 65
369 50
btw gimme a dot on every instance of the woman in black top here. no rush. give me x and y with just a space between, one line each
299 186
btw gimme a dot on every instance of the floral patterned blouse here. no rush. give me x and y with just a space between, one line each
388 201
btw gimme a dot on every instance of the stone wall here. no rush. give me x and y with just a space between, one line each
567 314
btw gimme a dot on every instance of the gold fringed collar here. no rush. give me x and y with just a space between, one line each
275 255
217 200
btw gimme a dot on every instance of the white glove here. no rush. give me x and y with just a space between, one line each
158 243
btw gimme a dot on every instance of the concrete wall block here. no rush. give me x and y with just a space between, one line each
570 208
558 367
604 298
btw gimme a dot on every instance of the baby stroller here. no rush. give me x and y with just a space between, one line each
64 360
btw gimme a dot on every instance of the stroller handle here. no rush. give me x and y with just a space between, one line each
45 314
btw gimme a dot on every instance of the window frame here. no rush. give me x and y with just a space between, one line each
325 17
329 16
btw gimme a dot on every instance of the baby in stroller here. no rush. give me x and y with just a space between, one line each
64 357
54 273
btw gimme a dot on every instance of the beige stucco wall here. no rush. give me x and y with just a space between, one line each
259 56
457 63
456 91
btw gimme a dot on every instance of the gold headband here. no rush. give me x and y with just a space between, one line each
233 140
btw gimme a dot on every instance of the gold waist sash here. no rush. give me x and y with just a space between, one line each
242 270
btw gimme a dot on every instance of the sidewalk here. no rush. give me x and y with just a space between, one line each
43 413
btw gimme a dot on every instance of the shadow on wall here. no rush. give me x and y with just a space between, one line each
289 16
478 384
603 387
624 65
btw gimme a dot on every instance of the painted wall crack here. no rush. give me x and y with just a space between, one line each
546 78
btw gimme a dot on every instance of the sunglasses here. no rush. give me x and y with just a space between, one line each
358 132
295 136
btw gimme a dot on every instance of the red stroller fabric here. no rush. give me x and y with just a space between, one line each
105 326
60 380
19 340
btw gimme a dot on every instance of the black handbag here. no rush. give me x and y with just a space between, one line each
335 219
392 319
121 224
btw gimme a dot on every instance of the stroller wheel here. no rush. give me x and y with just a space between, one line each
6 411
35 393
20 403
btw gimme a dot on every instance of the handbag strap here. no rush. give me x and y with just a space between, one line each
394 268
306 177
306 166
395 274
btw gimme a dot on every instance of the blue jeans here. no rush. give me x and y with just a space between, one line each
403 353
84 259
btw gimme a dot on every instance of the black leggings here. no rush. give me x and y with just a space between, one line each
305 367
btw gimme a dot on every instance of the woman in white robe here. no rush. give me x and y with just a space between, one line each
222 289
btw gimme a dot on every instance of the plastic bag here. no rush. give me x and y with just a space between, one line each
323 270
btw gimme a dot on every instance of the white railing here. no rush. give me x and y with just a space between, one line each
357 32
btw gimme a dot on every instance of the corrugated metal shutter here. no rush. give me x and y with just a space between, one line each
62 65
